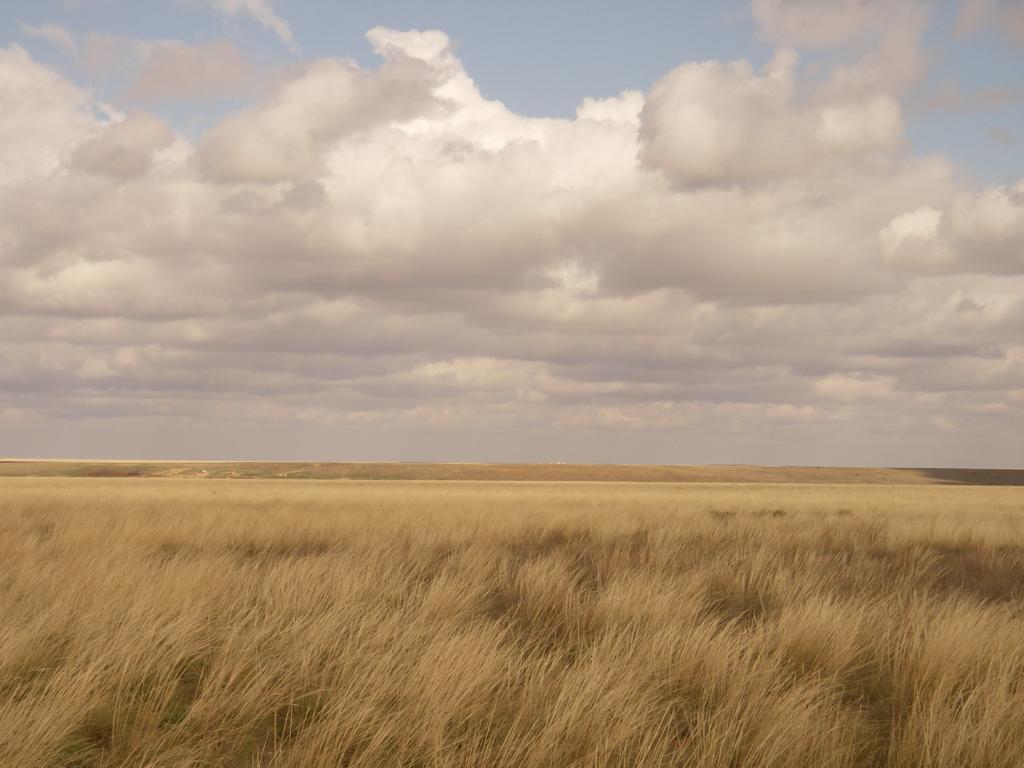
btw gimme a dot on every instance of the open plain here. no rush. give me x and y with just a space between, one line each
204 622
243 239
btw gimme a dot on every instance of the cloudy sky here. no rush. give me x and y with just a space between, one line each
682 232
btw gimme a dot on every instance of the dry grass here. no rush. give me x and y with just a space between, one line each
215 623
621 473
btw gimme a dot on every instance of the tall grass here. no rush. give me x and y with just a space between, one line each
182 623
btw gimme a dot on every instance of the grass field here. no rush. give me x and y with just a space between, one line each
636 473
182 622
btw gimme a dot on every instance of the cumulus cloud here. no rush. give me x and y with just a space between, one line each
740 264
987 230
980 232
712 123
288 136
912 231
42 118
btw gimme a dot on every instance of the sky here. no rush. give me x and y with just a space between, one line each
776 232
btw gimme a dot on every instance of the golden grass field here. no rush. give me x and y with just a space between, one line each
557 472
182 622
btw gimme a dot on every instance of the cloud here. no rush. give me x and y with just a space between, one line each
716 122
950 97
103 55
177 71
740 264
815 23
972 15
980 232
1001 135
916 227
879 42
987 230
163 72
54 34
851 388
286 137
1007 15
123 149
43 116
625 108
1012 23
261 11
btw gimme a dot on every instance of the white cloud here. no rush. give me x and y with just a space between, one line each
624 108
714 122
913 230
288 136
42 117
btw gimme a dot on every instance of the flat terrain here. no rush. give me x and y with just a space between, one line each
628 473
181 622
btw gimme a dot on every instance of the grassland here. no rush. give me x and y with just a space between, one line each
181 622
629 473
